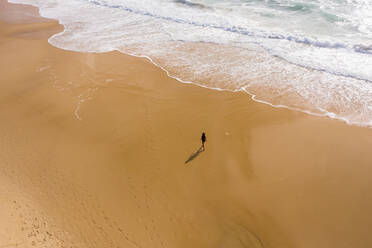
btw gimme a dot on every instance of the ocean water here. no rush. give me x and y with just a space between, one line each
311 56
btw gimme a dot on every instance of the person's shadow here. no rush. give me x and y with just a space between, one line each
195 154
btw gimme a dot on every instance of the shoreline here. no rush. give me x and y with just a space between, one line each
316 112
116 178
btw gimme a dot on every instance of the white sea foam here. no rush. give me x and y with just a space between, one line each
311 56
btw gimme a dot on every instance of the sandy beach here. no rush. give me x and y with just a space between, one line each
93 150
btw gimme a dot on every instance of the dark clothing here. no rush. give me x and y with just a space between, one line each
203 139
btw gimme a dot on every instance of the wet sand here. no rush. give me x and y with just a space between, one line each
93 150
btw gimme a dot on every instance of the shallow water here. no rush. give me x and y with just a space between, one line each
312 56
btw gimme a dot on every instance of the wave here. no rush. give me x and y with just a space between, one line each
241 30
363 49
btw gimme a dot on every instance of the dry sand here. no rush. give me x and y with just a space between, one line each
92 152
